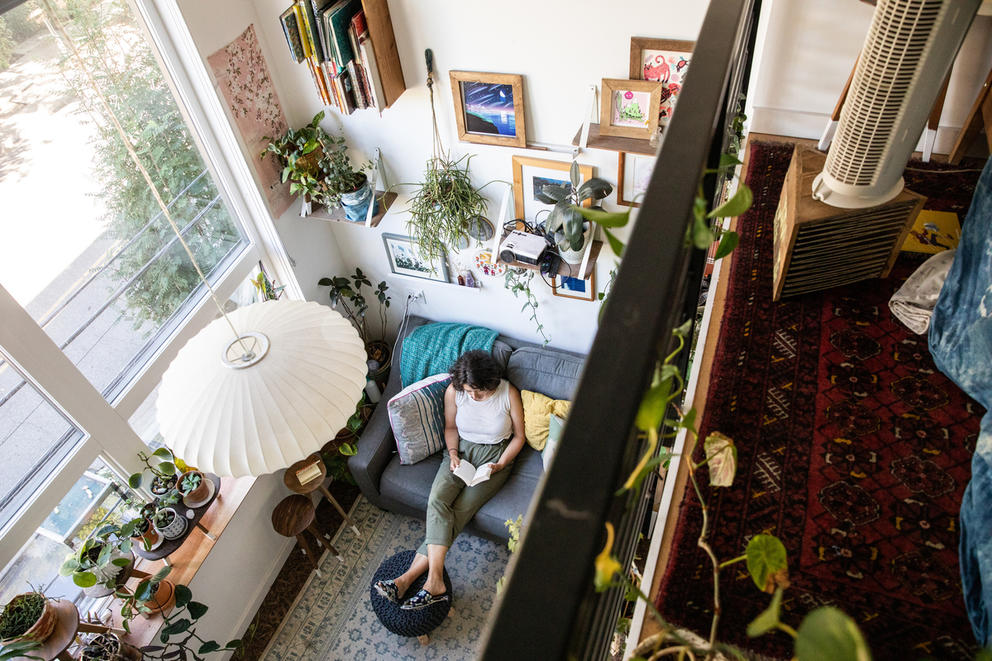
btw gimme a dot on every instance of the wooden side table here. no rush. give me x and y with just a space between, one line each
292 516
294 485
66 628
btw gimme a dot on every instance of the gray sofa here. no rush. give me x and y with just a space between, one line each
404 489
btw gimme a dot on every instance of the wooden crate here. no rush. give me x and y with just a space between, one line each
817 246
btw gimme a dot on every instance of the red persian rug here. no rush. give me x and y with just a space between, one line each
853 449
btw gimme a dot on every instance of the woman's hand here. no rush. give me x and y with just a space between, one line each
497 466
455 461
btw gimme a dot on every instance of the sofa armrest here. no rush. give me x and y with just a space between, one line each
375 448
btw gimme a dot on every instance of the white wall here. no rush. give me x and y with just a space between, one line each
807 55
560 47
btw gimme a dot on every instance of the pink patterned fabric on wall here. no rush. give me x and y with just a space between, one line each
243 79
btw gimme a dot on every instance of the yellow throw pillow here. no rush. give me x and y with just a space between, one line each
538 409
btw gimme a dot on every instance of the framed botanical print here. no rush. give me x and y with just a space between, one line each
629 108
530 175
633 176
404 259
566 287
489 108
665 61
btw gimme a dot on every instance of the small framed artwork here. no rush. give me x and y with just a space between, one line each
566 287
530 175
404 259
633 176
665 61
489 108
629 108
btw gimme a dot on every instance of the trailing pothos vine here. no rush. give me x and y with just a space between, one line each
518 280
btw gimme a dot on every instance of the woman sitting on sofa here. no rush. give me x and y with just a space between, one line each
483 424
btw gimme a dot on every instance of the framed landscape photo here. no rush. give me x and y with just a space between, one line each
566 287
633 176
629 108
489 107
665 61
404 259
530 175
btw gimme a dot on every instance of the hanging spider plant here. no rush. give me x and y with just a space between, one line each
443 207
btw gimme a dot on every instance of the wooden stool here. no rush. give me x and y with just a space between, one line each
291 517
293 484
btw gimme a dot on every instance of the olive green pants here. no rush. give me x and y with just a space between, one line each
452 503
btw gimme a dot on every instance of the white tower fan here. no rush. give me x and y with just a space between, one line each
910 47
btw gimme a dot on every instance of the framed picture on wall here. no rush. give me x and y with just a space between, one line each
489 108
665 61
577 288
530 175
629 108
404 259
633 176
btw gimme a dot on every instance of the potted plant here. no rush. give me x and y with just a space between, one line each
153 595
194 487
26 621
108 647
319 170
569 229
178 638
99 561
145 532
444 206
162 465
169 523
349 296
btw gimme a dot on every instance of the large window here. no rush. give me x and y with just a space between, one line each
96 290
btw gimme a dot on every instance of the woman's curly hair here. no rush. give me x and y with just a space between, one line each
476 369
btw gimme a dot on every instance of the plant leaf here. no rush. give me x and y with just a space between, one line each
652 409
84 579
616 245
595 188
702 235
827 633
766 557
348 450
208 647
768 619
604 218
547 199
728 241
574 175
183 595
735 206
721 456
167 468
196 609
179 626
555 192
134 481
729 160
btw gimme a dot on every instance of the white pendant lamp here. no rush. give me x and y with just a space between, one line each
272 396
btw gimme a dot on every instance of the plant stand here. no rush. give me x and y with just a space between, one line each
412 624
295 514
66 628
293 484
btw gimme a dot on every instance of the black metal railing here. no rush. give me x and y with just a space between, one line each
549 609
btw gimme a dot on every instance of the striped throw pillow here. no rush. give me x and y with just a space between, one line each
416 415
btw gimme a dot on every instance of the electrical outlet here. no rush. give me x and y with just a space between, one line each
417 295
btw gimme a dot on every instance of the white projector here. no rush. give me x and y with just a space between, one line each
522 247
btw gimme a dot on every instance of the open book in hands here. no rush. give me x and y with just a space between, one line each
472 475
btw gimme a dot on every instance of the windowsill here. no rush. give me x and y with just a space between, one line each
186 561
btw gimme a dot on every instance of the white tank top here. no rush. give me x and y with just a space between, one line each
487 422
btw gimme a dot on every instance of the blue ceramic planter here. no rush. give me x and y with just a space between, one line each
356 204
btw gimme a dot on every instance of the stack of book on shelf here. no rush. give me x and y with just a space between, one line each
332 37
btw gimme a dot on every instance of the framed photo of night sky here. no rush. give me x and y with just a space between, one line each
489 108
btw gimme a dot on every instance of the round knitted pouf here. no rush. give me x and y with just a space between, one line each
413 624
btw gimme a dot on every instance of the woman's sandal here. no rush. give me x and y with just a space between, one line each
423 599
388 590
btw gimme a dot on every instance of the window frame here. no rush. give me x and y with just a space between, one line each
104 424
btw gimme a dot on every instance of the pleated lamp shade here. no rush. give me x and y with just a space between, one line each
256 405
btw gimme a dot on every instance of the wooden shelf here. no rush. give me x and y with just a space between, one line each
387 57
337 215
563 268
612 143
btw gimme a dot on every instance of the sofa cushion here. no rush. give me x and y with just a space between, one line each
547 371
410 485
538 409
416 415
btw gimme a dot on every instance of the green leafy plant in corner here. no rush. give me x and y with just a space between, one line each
824 632
349 296
178 636
514 528
518 280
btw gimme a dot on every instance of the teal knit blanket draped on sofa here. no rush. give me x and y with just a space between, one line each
431 349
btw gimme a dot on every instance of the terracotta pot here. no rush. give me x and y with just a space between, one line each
163 601
197 494
148 538
43 626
